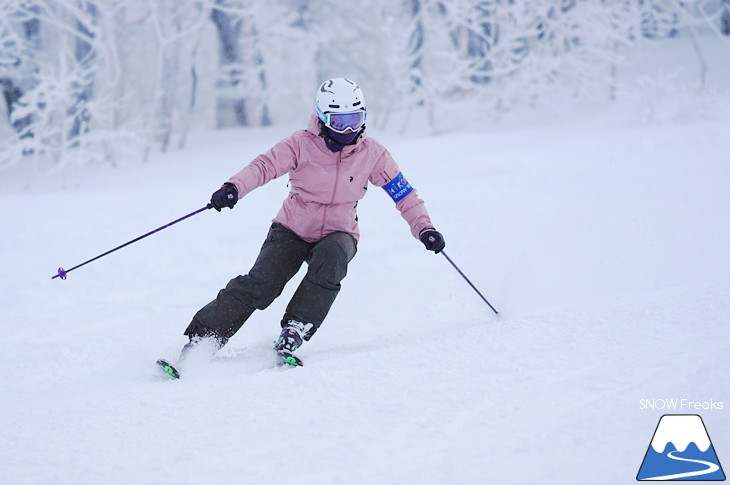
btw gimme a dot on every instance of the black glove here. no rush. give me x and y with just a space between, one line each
433 240
226 196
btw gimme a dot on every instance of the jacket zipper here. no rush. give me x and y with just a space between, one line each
334 192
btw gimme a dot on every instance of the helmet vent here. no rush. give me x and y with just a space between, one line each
334 106
356 103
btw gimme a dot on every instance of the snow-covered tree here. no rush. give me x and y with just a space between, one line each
242 98
66 55
659 18
178 27
87 81
231 103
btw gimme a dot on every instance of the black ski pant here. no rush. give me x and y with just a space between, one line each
281 256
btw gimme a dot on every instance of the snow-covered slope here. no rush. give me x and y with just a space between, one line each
603 243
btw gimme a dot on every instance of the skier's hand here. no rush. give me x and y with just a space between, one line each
433 240
226 196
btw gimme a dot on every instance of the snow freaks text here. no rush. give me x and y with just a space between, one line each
680 405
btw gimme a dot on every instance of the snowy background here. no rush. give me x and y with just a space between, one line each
597 225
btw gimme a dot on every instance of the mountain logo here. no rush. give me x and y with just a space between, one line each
681 450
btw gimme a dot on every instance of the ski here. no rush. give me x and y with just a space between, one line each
284 359
287 359
168 369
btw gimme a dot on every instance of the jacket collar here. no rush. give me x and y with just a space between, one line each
313 128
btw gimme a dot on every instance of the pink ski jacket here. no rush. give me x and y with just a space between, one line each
326 185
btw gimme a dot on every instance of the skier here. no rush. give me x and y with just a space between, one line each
329 165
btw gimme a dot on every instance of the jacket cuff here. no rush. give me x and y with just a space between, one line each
230 183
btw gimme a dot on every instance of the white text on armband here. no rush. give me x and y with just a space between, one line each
398 188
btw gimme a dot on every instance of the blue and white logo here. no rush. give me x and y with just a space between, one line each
681 450
398 188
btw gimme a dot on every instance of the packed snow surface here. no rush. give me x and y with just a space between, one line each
602 240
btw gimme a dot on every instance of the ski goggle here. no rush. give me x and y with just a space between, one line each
340 122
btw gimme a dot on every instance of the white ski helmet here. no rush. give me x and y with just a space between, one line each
340 105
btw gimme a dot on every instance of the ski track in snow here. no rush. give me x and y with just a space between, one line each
711 468
603 244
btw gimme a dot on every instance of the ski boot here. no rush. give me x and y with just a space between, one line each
291 338
200 347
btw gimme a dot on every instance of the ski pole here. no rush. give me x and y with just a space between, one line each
62 273
467 280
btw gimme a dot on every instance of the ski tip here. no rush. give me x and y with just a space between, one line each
168 368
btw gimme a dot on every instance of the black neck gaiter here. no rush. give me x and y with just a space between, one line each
337 141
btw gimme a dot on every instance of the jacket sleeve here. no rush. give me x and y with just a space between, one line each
387 175
280 159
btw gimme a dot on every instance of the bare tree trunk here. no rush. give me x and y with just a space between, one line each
415 50
193 94
698 51
725 18
33 37
231 105
613 82
85 57
170 58
416 97
261 101
121 87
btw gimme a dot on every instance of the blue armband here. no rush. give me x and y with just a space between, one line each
398 188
